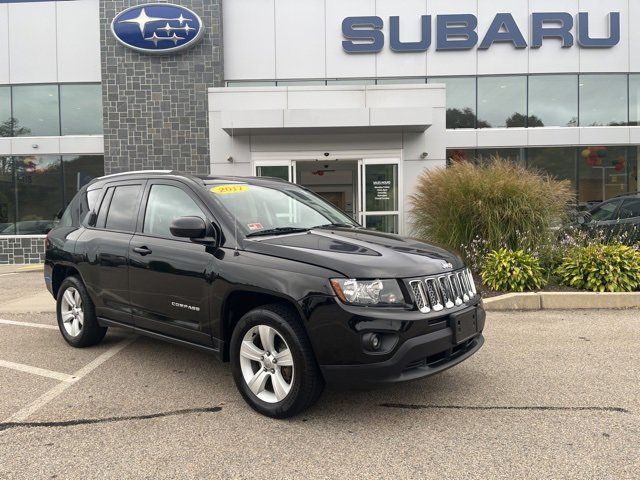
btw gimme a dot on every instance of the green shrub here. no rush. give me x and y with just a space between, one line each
500 203
512 271
602 268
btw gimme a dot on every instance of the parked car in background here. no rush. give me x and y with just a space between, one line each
28 227
264 274
614 217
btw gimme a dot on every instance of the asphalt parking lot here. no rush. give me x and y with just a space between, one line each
550 395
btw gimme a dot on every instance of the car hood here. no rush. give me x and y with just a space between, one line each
358 253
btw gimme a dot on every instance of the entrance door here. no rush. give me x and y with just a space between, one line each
284 169
380 194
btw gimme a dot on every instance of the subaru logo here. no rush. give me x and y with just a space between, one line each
159 28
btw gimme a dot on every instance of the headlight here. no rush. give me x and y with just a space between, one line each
368 292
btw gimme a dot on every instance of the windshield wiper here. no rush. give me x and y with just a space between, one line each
335 225
277 231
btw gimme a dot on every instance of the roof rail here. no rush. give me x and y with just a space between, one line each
133 172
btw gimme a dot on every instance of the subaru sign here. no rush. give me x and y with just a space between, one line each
157 28
460 32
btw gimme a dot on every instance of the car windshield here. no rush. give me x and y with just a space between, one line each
282 209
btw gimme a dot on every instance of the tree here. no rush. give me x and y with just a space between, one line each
465 118
11 128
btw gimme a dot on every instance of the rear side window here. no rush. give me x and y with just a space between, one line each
123 208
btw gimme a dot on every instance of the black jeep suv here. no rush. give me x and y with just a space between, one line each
263 274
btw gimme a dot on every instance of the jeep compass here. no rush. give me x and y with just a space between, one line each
263 274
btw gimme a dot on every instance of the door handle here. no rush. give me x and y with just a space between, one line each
142 250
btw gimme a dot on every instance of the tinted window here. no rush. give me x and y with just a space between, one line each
81 109
553 101
605 211
79 170
634 99
502 102
559 162
123 208
603 100
35 110
602 172
7 196
630 209
461 101
39 193
166 203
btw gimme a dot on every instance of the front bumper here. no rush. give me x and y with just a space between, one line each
423 348
417 358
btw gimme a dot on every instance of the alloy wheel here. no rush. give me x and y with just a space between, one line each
266 363
71 312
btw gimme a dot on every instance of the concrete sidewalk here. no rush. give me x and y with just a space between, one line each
21 292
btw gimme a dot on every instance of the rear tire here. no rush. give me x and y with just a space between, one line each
76 315
273 364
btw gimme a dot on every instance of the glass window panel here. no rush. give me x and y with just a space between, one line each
39 183
250 83
352 81
300 83
400 81
502 102
7 197
515 155
461 101
381 183
630 209
5 112
634 99
382 223
553 101
273 171
81 109
603 100
602 173
606 211
123 208
633 154
80 170
559 162
164 205
35 110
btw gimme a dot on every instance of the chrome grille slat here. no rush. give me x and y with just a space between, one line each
443 291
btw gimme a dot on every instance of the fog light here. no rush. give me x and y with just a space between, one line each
372 341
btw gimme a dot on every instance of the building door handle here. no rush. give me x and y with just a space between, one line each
142 250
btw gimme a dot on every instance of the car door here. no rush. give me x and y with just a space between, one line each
170 279
105 250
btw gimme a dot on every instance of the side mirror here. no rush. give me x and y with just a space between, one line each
91 218
584 218
194 228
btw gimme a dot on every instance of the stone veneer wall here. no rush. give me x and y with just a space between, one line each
20 250
155 106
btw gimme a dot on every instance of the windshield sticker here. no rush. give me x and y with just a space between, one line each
255 226
227 189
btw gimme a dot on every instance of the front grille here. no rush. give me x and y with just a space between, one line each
443 291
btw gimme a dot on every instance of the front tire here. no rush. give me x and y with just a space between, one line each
272 362
76 315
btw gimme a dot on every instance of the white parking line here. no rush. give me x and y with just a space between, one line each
50 395
20 367
28 324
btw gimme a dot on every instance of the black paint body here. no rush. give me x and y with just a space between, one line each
221 282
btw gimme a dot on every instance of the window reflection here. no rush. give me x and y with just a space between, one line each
39 194
553 101
502 101
7 195
78 171
461 101
35 110
634 99
559 162
603 100
81 109
5 112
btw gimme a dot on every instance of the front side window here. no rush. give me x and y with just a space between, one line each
123 208
164 205
630 209
257 208
605 211
35 110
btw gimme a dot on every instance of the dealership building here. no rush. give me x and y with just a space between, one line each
352 99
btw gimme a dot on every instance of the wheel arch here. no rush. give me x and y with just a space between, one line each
59 272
